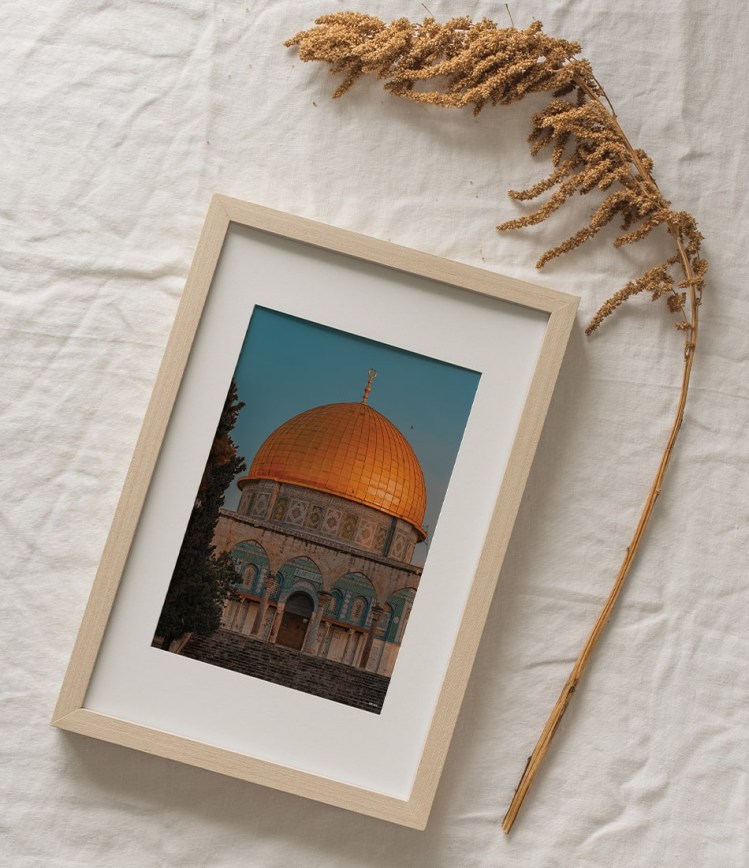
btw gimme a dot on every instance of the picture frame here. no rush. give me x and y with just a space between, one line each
120 689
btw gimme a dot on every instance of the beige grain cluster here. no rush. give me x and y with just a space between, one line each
461 63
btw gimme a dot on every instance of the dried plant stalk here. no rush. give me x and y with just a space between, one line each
479 63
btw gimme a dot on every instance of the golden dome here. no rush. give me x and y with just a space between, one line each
349 450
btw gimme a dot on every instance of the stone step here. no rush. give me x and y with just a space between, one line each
290 668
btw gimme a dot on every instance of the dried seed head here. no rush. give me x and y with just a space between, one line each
461 63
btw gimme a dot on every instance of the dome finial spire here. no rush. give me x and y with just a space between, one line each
368 389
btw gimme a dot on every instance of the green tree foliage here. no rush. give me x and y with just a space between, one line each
201 578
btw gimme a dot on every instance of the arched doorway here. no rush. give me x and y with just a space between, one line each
295 620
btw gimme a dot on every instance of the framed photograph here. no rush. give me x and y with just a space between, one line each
310 533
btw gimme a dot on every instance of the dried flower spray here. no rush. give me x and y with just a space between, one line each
478 64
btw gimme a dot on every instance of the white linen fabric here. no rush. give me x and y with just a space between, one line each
118 121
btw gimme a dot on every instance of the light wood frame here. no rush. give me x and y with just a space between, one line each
70 712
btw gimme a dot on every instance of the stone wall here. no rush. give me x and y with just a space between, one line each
250 656
332 559
292 508
334 641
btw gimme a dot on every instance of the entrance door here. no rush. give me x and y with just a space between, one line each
294 622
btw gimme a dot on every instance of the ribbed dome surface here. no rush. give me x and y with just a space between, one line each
349 450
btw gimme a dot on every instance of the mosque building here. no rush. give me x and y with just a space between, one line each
324 535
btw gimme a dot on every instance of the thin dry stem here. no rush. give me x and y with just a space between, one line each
479 63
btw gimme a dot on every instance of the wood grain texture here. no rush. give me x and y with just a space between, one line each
70 712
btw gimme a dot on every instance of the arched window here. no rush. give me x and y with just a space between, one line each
357 589
358 610
383 625
334 604
250 558
399 606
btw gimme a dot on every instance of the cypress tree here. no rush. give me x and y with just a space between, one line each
201 579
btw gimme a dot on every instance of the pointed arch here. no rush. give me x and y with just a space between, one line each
300 574
358 596
399 604
383 625
252 564
335 604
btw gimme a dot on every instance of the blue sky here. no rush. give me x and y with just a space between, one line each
288 365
